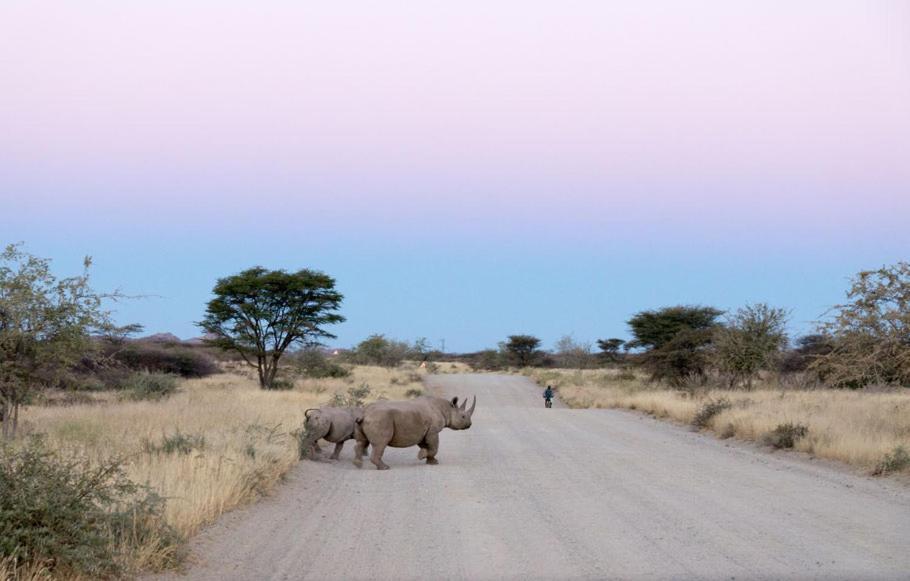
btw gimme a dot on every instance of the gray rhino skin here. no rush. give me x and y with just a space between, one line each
332 424
402 424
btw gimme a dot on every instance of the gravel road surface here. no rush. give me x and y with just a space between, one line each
532 493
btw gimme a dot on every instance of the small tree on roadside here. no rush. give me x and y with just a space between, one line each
752 340
522 350
609 349
808 349
379 350
676 340
870 334
573 354
45 327
260 313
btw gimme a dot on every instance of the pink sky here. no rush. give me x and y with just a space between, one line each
676 126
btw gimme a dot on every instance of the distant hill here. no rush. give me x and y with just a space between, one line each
161 338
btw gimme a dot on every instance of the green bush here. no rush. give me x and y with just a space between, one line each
73 518
163 358
151 386
313 363
785 436
413 392
709 410
895 461
379 350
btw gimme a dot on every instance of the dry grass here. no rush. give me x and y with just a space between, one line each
856 427
239 437
9 571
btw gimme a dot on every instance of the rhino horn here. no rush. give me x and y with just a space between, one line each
473 405
463 404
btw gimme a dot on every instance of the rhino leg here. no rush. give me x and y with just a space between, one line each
361 445
337 451
376 457
432 444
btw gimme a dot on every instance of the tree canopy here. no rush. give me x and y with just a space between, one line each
752 339
260 313
870 333
654 329
45 326
522 349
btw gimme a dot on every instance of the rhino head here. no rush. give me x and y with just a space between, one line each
459 417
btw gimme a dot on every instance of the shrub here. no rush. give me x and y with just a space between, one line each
163 358
808 349
178 443
785 435
751 341
72 518
413 392
895 461
151 386
681 361
355 397
282 384
379 350
709 410
487 360
313 363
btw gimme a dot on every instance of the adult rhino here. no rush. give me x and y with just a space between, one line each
402 424
332 424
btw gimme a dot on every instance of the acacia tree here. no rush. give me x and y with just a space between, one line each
522 349
609 348
870 334
676 340
751 340
260 313
45 327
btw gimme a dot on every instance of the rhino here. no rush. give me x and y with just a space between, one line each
332 424
402 424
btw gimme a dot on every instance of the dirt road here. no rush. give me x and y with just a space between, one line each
531 493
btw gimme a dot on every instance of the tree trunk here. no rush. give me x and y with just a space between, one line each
9 419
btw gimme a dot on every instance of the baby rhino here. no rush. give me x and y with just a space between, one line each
334 425
402 424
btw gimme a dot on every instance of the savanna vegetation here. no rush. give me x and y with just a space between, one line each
116 450
841 393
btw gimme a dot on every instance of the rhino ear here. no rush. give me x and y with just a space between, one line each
455 401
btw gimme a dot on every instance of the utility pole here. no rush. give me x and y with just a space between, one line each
442 345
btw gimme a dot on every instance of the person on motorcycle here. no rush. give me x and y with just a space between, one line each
548 396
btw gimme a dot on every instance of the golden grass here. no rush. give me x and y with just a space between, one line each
246 432
855 427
